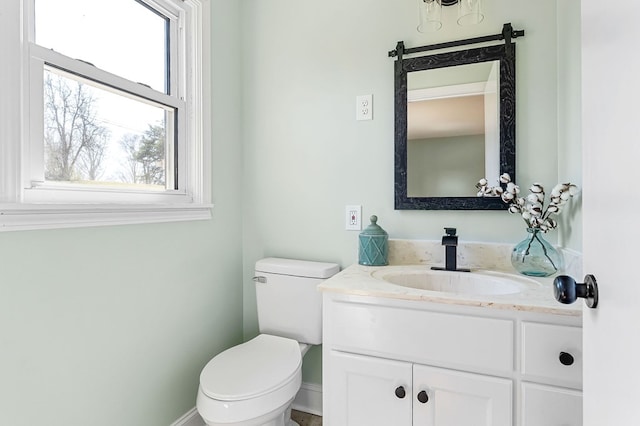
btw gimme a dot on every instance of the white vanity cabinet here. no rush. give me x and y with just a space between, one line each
402 362
375 391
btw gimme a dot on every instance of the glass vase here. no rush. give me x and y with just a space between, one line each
536 257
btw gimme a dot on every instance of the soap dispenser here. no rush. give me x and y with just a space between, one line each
373 245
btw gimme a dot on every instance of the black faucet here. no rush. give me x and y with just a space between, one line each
450 243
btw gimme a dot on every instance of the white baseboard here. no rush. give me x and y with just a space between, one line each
308 399
192 418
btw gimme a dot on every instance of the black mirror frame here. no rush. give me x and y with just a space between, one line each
505 54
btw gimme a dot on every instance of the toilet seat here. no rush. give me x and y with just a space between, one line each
250 383
252 369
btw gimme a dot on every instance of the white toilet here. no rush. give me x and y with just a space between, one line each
254 383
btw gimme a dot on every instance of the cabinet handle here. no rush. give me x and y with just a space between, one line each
400 392
423 397
566 358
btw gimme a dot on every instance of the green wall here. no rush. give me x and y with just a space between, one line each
306 156
112 325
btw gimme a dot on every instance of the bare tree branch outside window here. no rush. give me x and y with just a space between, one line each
74 141
77 141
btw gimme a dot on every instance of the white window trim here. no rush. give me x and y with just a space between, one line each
21 212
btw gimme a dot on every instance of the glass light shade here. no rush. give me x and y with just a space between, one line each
470 12
430 15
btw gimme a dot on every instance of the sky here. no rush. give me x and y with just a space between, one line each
118 36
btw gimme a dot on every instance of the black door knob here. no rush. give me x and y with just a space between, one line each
400 392
566 290
566 358
423 397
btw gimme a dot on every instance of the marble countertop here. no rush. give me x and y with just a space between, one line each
535 295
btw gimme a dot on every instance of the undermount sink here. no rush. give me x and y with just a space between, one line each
473 283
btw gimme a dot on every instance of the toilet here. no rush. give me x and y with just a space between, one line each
254 383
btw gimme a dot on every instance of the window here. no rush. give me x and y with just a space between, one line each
112 125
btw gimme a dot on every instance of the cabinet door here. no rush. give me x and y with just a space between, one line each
460 399
362 391
550 406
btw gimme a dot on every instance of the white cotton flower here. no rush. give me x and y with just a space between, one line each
573 190
533 198
535 209
561 187
512 188
536 188
532 206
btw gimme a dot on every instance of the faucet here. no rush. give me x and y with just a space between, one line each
450 243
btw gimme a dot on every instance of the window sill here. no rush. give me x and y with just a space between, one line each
20 217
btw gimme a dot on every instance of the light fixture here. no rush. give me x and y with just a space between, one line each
430 15
469 12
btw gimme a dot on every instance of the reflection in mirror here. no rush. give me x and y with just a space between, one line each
452 129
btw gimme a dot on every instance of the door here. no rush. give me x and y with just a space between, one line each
456 398
369 391
611 232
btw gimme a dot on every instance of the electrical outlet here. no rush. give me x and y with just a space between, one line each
364 107
353 218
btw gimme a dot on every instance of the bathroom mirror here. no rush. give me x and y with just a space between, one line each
454 124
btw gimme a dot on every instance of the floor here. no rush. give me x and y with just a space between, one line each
306 419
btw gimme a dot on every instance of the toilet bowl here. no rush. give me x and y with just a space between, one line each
254 383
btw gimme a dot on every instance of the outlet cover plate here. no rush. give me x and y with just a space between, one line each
353 218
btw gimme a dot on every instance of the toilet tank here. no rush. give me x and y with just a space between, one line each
289 303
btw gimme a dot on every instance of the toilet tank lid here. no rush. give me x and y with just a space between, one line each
298 268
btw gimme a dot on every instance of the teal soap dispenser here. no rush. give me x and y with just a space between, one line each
373 245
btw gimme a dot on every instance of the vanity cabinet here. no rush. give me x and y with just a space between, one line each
375 391
403 362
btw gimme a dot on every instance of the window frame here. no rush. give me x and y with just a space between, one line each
27 202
